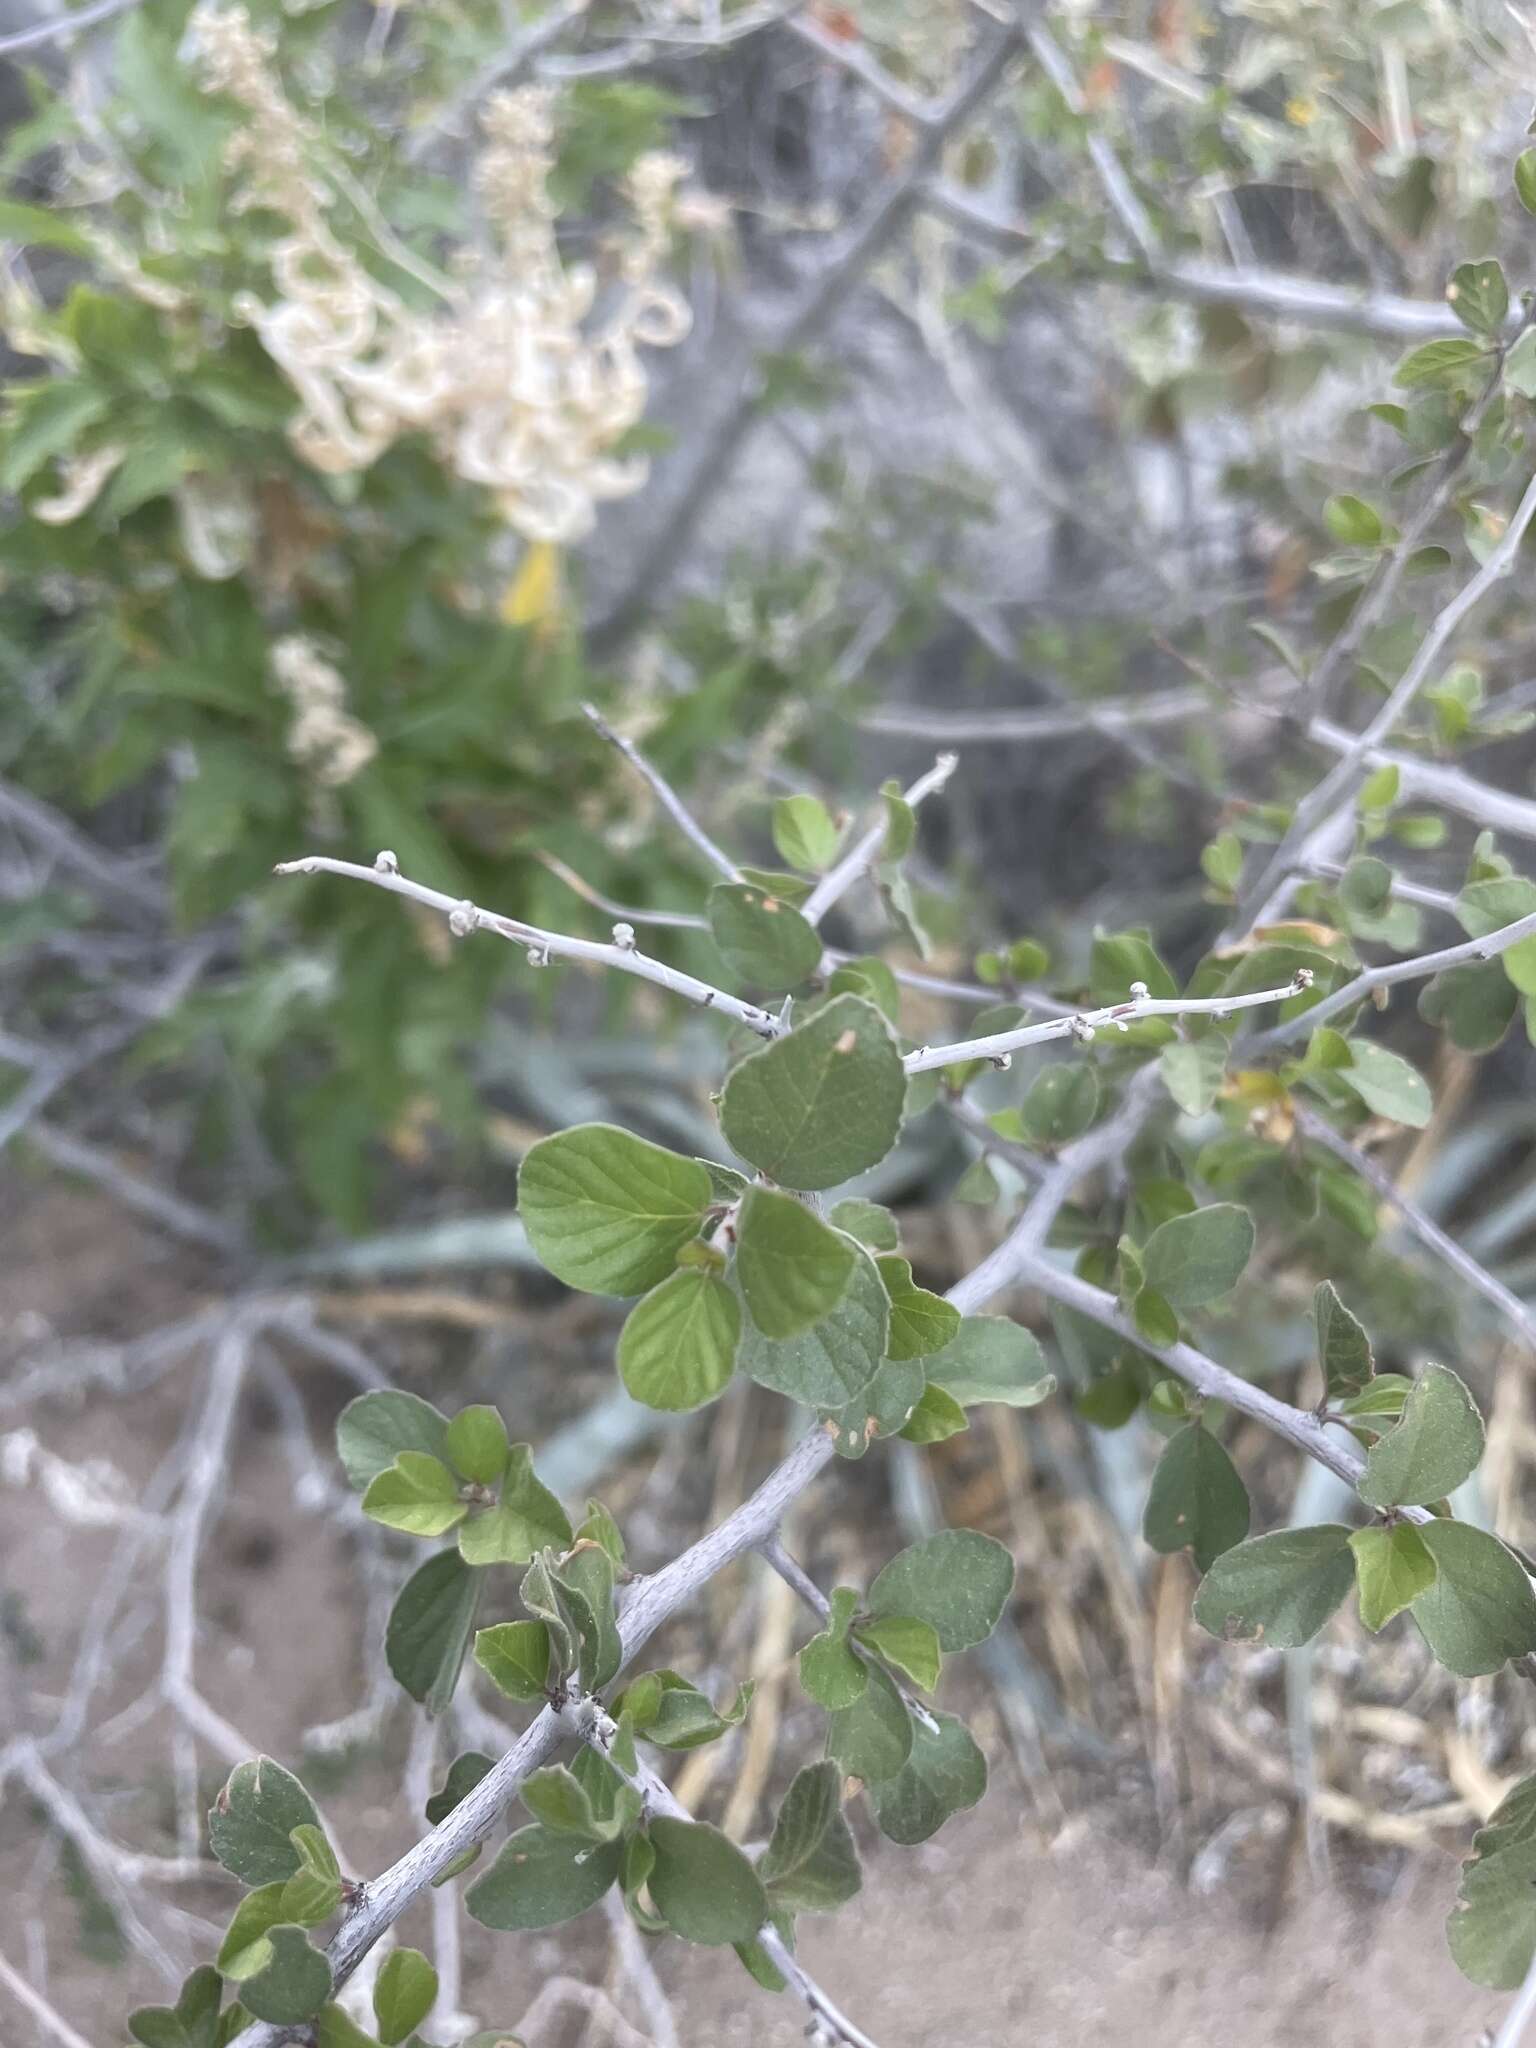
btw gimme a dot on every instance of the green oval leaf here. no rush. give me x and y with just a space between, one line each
1432 1449
294 1984
1062 1102
1277 1589
792 1267
540 1879
1440 362
1479 296
1386 1083
251 1823
821 1104
921 1322
417 1494
804 833
608 1212
944 1774
911 1645
1191 1260
1193 1073
429 1628
677 1349
872 1224
1196 1498
514 1655
1343 1348
990 1358
811 1864
1393 1566
872 1738
372 1431
1480 1611
761 937
404 1992
525 1520
702 1885
834 1361
1492 1926
476 1445
957 1580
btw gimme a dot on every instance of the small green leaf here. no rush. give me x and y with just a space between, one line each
935 1419
1479 296
540 1879
193 2022
1193 1073
991 1359
703 1886
911 1645
822 1103
429 1628
372 1430
804 833
476 1445
761 937
514 1655
1393 1566
1122 958
608 1212
464 1774
921 1322
1343 1348
557 1799
294 1983
944 1774
811 1864
882 1408
245 1949
1386 1083
1062 1102
417 1494
336 2028
1474 1005
1277 1589
1480 1611
404 1993
677 1349
1191 1260
673 1714
586 1583
900 823
598 1526
1525 183
957 1580
1431 1451
829 1670
1384 1394
793 1268
251 1823
1196 1498
874 1226
834 1361
1439 362
1354 522
1492 1926
1154 1317
526 1519
872 1738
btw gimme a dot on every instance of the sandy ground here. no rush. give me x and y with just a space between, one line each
1021 1923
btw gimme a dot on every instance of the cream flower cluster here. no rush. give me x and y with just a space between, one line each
519 389
326 741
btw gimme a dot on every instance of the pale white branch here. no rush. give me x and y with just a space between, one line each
1420 968
540 946
1085 1025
